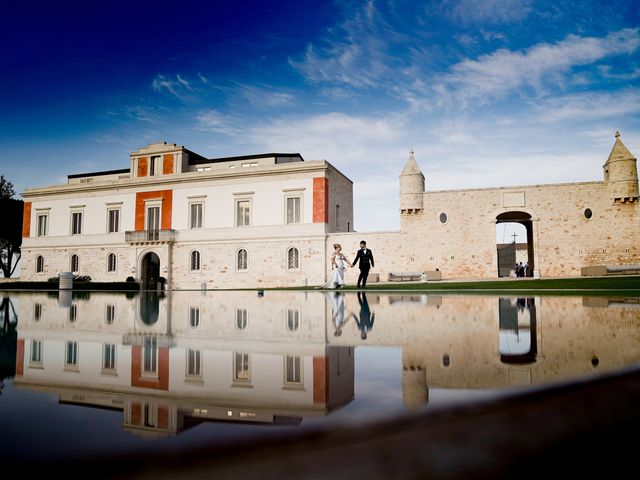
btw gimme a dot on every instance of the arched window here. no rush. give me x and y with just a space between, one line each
242 318
293 319
195 261
242 259
75 263
39 264
112 262
194 316
293 259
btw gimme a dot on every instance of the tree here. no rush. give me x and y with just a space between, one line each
6 188
10 228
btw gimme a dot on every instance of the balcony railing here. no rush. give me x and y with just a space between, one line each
150 236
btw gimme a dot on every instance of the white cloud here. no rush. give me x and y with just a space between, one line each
504 71
266 96
355 53
590 105
487 11
214 121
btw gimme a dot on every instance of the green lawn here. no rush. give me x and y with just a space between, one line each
621 285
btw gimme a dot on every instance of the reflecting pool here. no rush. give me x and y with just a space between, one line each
99 373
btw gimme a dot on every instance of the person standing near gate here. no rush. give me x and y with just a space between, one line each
364 259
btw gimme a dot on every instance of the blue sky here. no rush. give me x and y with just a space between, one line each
487 92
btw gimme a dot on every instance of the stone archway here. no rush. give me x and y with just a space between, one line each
150 272
509 255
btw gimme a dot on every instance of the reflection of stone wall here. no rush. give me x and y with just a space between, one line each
456 338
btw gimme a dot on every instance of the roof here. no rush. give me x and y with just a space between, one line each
201 160
619 151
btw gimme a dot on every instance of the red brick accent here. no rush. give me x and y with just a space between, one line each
136 413
163 418
320 380
143 166
137 380
167 164
320 200
20 357
167 202
26 220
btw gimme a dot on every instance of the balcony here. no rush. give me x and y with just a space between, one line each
143 237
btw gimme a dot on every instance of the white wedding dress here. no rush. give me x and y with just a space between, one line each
337 275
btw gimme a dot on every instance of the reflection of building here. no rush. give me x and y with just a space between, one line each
275 358
199 359
269 220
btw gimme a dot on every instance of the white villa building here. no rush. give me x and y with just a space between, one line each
256 220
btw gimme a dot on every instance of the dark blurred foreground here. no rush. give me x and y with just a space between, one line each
585 428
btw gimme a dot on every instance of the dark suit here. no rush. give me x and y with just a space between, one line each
364 259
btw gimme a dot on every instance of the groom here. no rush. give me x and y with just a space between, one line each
365 259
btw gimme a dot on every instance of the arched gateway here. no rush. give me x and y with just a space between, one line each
507 254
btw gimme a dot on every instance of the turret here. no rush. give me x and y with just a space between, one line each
621 174
411 187
415 391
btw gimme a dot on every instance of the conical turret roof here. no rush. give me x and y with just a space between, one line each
619 151
411 167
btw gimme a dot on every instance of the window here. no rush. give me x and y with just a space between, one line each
337 216
110 313
443 217
76 223
109 357
195 261
292 370
153 223
39 264
242 318
241 367
75 263
293 259
195 215
293 319
71 357
293 209
194 363
37 311
243 213
242 259
36 352
154 165
73 312
149 355
112 263
194 316
42 224
588 213
113 220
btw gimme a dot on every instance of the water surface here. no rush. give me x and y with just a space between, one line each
99 373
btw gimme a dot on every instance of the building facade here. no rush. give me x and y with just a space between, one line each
270 221
190 222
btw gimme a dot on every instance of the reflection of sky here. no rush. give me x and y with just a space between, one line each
515 343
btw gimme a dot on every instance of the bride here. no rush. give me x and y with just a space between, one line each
338 265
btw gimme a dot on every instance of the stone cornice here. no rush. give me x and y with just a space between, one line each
165 182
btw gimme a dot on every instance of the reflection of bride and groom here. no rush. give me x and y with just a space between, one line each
364 320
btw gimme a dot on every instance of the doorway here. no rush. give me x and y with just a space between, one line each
514 244
150 271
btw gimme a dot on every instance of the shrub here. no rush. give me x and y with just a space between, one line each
131 279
